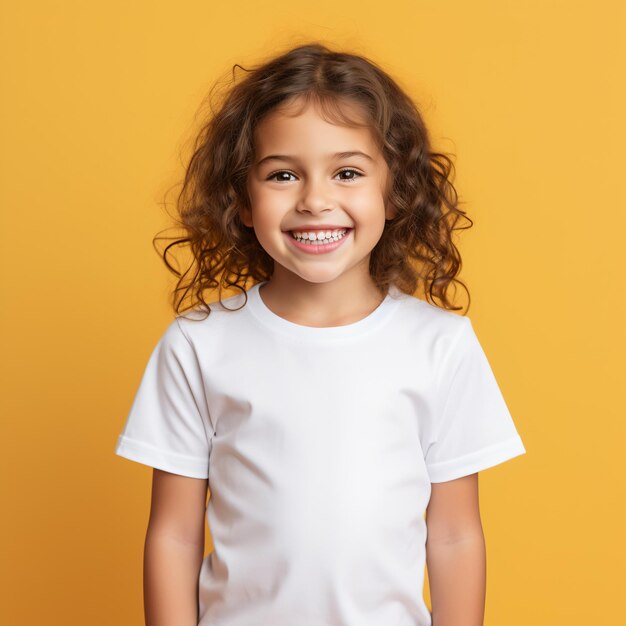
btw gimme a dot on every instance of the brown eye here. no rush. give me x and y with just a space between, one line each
275 174
350 170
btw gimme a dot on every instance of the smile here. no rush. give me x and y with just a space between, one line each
318 242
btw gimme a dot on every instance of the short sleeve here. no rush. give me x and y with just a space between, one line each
473 428
168 426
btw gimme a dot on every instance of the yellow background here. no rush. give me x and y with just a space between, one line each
98 104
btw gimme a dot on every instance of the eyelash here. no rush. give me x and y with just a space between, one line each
348 169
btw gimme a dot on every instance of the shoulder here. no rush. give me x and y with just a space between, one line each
434 337
225 317
432 321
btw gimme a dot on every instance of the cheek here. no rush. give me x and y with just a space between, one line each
269 201
369 208
267 220
263 207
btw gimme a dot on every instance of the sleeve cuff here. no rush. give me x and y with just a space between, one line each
168 461
476 461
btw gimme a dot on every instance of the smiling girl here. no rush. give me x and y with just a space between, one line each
338 420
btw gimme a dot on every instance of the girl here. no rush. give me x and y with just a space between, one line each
339 420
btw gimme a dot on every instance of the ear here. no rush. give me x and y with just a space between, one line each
390 211
245 215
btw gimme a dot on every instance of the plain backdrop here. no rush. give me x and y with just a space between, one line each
99 103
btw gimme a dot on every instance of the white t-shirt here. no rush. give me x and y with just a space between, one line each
320 446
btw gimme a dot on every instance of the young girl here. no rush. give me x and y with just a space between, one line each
338 420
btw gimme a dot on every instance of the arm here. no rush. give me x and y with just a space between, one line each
455 553
174 549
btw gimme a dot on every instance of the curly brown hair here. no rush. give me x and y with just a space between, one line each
415 251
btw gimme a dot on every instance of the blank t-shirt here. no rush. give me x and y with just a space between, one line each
320 446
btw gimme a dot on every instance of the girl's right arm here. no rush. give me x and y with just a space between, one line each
174 549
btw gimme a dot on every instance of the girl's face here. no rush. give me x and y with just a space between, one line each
312 177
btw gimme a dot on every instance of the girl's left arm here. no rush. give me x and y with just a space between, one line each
455 553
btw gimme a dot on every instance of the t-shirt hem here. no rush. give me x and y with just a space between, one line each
476 461
167 461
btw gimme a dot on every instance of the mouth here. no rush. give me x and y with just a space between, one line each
319 237
318 242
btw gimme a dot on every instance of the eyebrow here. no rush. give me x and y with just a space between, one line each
337 155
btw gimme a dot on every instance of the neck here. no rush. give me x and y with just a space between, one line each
341 301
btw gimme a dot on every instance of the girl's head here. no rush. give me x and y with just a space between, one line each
315 178
400 202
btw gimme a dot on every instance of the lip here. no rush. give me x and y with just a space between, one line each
321 248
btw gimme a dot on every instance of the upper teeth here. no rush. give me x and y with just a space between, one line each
319 235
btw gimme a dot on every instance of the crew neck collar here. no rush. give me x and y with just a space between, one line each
279 324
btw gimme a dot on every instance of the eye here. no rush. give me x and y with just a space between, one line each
273 176
285 172
350 170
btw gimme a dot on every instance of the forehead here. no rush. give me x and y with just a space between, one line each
300 125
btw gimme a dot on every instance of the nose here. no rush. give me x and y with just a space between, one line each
316 197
